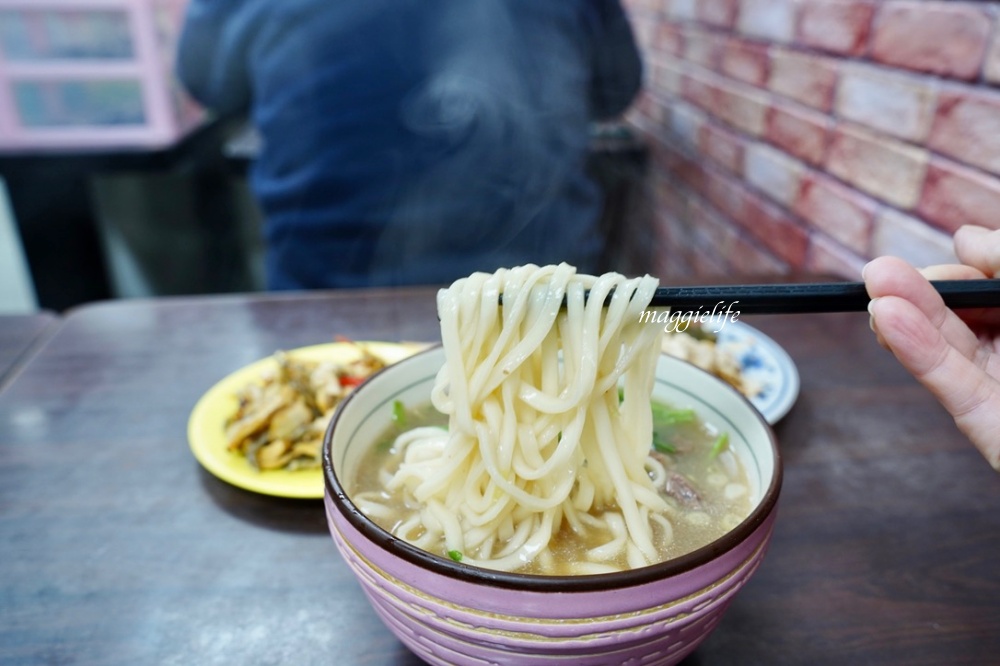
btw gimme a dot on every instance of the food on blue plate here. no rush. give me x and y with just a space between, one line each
701 347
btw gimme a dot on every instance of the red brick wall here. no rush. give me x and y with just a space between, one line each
815 134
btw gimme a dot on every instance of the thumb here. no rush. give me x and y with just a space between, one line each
979 247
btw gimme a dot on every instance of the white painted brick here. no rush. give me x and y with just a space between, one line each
773 172
686 122
684 10
911 239
991 68
902 106
827 257
767 19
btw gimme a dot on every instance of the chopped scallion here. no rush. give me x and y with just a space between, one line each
455 555
720 445
668 416
662 446
398 413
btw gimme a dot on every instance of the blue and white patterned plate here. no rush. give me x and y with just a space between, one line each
764 364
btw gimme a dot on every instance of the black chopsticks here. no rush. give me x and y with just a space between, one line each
807 297
810 297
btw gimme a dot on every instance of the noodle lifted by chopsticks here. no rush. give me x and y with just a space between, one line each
539 438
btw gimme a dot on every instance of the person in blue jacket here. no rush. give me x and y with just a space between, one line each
416 141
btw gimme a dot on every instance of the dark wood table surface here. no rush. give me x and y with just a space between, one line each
117 548
19 334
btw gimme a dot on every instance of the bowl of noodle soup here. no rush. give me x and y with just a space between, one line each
522 494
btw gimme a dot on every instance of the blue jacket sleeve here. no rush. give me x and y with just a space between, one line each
213 53
617 64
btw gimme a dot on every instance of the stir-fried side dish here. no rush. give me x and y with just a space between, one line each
280 420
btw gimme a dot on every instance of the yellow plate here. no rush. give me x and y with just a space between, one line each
206 427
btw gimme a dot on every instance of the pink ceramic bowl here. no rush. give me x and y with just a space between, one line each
452 613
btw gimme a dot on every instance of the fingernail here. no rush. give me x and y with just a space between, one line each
863 269
871 314
973 229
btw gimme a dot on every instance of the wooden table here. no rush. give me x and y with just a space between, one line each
117 548
18 335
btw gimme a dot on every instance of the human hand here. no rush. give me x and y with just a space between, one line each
956 355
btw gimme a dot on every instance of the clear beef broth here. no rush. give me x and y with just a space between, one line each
704 484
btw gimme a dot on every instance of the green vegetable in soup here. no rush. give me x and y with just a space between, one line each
662 445
399 413
720 445
664 415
